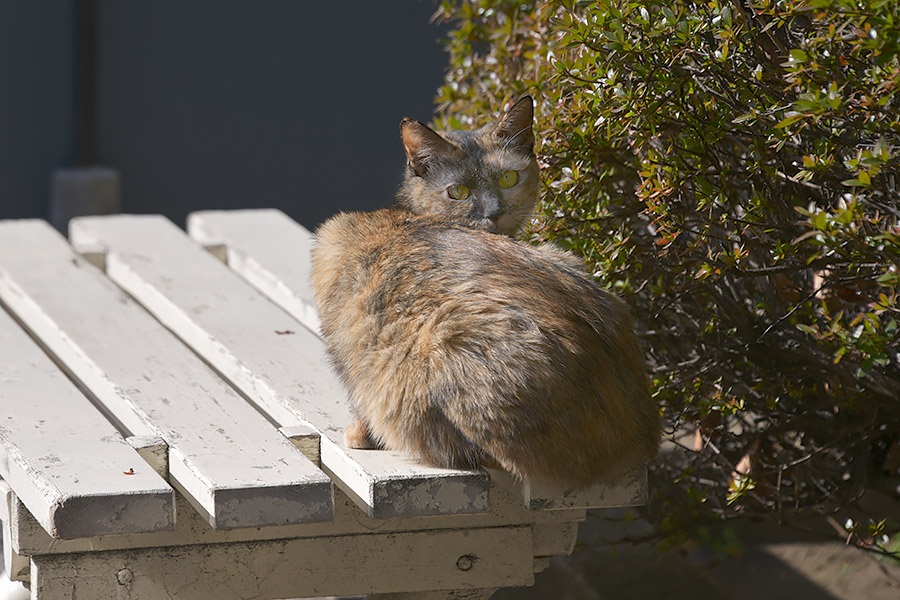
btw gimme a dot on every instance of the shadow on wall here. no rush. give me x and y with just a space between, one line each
224 104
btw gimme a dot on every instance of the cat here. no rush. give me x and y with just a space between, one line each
467 348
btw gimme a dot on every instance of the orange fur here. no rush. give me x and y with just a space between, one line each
468 348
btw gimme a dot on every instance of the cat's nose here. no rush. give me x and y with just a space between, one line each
491 208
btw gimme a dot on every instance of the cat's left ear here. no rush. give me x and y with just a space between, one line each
516 124
423 145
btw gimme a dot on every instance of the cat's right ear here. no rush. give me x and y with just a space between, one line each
423 145
516 125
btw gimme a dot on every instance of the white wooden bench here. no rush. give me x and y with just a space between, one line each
170 428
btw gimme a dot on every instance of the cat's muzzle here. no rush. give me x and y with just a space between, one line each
489 225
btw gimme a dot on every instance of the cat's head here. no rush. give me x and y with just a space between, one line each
486 179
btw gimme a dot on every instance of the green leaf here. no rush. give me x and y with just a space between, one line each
858 182
865 367
799 56
840 354
789 121
819 220
846 216
889 279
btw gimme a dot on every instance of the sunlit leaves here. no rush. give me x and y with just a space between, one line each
733 170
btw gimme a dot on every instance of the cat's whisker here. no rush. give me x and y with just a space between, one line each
513 137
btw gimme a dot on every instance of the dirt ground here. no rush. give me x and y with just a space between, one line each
758 561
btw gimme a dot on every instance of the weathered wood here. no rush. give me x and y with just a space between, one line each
231 462
541 563
15 565
632 490
65 461
306 440
356 564
554 539
272 252
28 538
154 450
268 249
270 357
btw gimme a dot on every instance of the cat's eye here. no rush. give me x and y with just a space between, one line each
509 179
458 192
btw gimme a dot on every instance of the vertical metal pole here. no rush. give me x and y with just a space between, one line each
85 82
85 189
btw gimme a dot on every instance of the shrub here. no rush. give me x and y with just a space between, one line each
732 168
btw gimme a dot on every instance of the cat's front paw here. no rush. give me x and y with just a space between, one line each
357 436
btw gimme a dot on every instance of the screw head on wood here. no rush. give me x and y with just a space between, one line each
465 562
124 576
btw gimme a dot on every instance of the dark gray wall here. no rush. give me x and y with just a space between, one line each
36 101
225 104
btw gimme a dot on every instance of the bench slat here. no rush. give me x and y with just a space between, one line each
268 249
269 356
29 538
233 464
341 565
65 461
271 251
